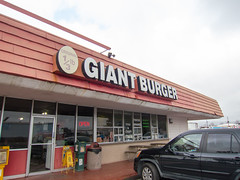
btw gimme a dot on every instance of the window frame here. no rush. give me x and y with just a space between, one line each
1 114
119 136
137 136
3 111
59 117
131 137
78 107
162 119
108 128
182 137
118 133
135 125
147 119
154 128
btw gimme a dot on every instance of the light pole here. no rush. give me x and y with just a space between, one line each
227 121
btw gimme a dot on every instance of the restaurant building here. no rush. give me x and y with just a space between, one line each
54 92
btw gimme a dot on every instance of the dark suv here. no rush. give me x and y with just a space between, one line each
197 154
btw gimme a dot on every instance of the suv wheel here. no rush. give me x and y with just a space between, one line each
149 172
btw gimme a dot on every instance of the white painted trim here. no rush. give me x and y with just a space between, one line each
95 125
14 177
1 116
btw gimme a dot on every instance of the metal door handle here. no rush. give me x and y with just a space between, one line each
190 155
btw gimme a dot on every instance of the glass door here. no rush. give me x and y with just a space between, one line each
42 144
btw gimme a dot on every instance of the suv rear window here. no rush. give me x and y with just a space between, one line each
222 143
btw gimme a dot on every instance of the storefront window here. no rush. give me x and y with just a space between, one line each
154 126
128 126
85 124
118 126
15 123
104 125
137 126
118 118
65 125
162 126
44 108
146 126
104 117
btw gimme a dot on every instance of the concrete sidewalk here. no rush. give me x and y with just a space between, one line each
113 171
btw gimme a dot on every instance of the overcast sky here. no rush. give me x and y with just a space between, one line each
194 43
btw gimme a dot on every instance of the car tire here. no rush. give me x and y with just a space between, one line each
149 172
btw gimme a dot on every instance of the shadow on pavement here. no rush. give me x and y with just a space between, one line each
137 177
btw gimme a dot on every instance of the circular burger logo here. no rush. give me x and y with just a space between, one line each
67 60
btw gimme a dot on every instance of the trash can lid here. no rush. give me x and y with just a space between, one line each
94 145
95 150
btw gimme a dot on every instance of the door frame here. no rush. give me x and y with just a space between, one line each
28 173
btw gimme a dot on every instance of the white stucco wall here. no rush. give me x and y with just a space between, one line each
177 126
